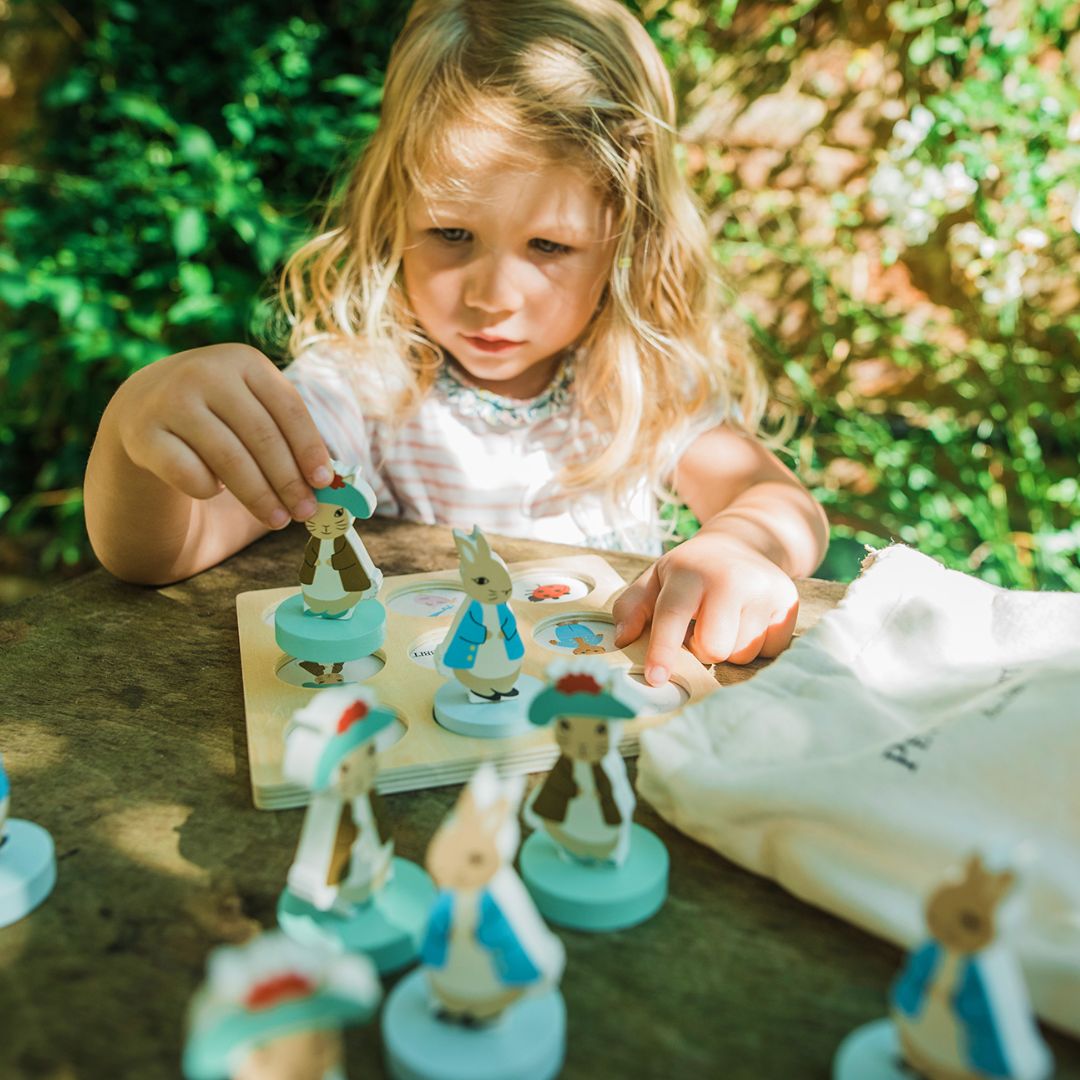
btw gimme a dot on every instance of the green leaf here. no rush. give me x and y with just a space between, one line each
195 144
189 231
921 50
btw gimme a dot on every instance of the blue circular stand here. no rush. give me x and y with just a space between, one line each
486 719
27 869
871 1052
388 928
528 1042
329 641
596 897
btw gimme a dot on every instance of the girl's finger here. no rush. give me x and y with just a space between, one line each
781 629
676 604
715 630
632 609
283 402
229 459
172 460
244 414
753 629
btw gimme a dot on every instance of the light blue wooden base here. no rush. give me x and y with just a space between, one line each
27 869
596 897
486 719
388 928
528 1042
871 1052
329 641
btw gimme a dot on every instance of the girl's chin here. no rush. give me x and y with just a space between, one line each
505 377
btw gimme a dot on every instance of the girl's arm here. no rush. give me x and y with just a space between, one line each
760 528
196 456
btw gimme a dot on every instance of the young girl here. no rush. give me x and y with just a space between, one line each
510 319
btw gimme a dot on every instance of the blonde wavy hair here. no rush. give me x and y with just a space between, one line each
575 80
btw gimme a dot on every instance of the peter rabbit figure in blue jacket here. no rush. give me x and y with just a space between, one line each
486 945
483 648
960 1005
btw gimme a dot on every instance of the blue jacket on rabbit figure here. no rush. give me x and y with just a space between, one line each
470 633
485 945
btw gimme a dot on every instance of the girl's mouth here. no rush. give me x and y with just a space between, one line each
491 345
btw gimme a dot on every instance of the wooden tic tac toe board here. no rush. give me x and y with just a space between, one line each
554 601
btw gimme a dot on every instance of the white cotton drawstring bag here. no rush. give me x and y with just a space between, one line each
927 716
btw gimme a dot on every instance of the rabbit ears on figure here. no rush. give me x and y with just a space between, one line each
489 805
333 724
348 489
269 987
585 686
474 549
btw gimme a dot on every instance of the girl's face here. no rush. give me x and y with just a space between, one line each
505 277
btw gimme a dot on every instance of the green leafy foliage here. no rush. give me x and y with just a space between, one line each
180 157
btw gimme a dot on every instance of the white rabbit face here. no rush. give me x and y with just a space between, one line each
328 521
356 773
583 738
490 584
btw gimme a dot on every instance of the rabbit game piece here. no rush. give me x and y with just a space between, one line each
272 1009
483 650
336 617
345 887
959 1009
485 1003
588 866
27 861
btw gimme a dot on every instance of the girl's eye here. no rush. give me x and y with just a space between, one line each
548 247
452 236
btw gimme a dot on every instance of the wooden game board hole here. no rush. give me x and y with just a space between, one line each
541 586
422 650
577 633
289 671
674 694
431 600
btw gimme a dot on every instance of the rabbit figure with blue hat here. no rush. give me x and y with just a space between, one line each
335 618
345 887
27 861
272 1009
485 1003
483 651
960 1008
587 865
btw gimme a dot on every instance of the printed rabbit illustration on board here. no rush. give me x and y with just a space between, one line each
483 649
960 1005
485 946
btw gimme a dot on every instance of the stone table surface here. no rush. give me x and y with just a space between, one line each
122 729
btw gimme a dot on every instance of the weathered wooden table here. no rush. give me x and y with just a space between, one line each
122 727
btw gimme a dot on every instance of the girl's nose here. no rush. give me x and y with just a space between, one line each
490 287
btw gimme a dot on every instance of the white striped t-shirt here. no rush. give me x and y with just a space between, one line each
470 457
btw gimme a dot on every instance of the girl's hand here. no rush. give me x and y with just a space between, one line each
225 417
744 605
